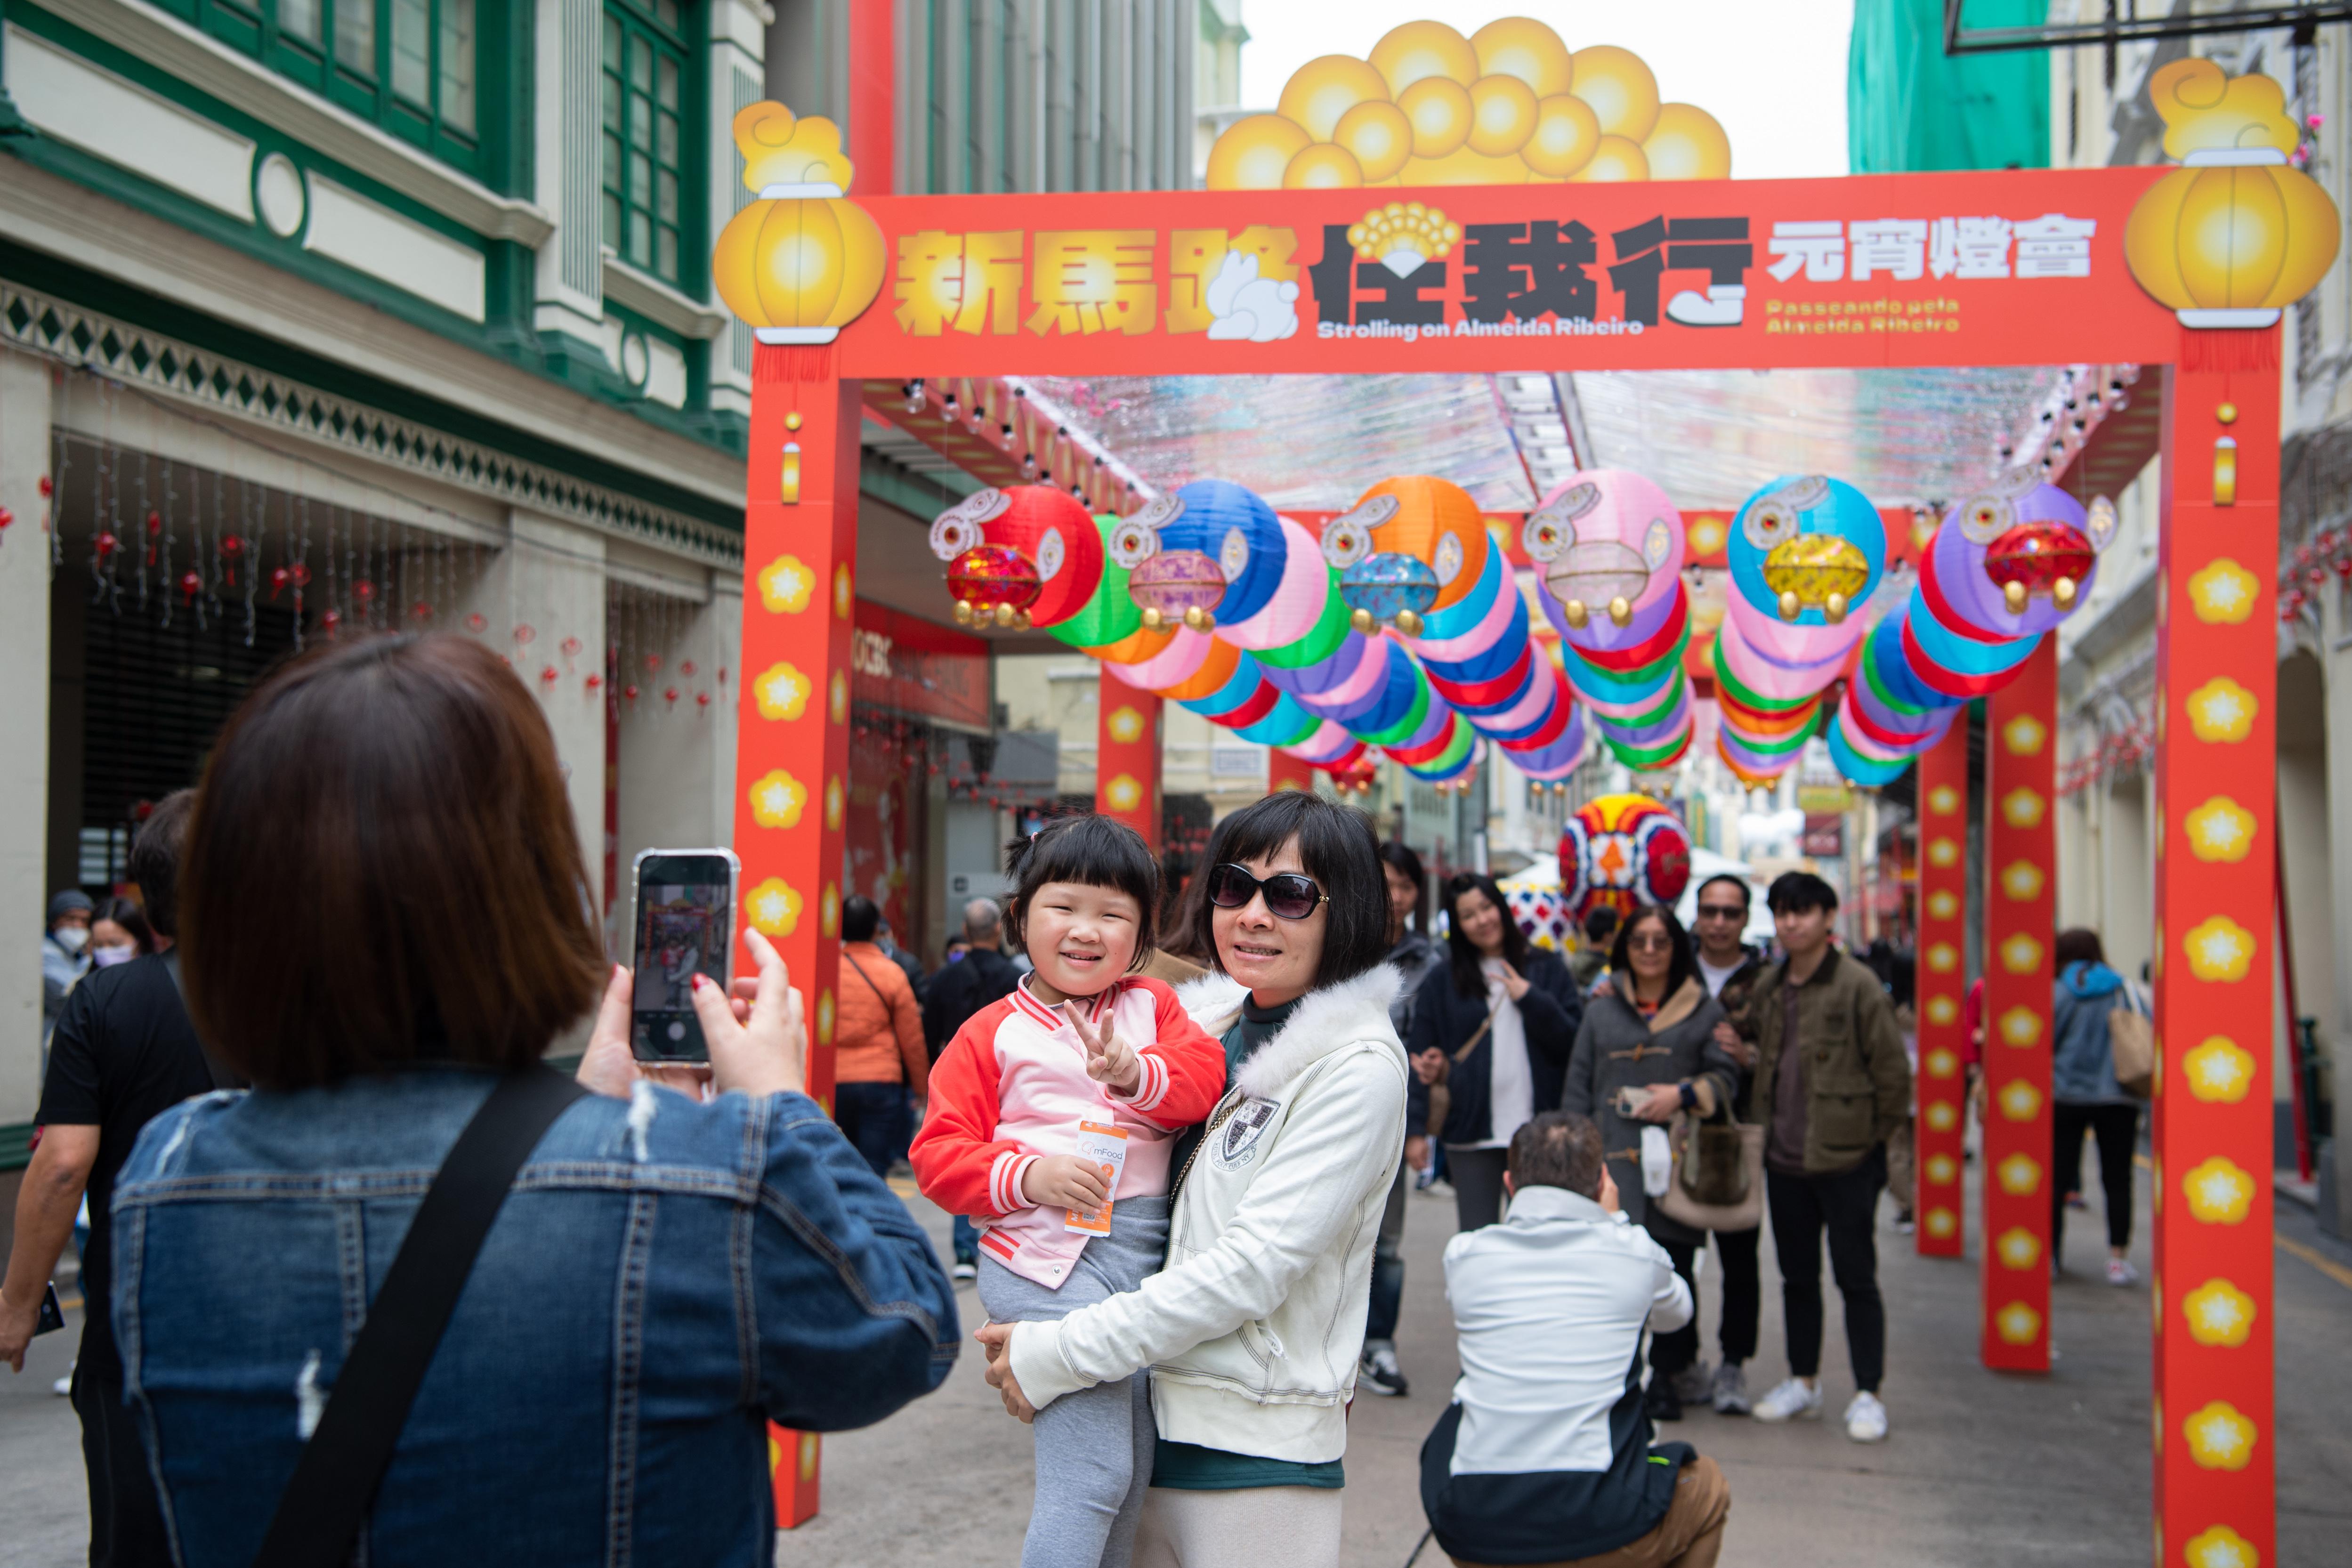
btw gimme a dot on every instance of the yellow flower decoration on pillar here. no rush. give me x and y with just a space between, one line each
1126 725
2220 830
2021 1026
1942 1168
1942 905
2218 949
828 912
2024 735
1943 1224
2023 807
824 1017
831 805
2221 710
2019 1175
2219 1192
774 907
2219 1437
2021 954
1943 1010
1943 958
1943 800
842 595
2220 1071
1943 1115
2222 592
785 585
2019 1247
1941 1062
839 696
2016 1324
777 799
2019 1100
1943 852
1123 793
2219 1546
2219 1313
781 692
2021 880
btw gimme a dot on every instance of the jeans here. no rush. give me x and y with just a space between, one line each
872 1116
1477 1186
967 1240
1388 1263
1743 1295
2118 1129
126 1526
1845 1204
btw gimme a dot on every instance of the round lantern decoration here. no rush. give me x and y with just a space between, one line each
802 262
1622 851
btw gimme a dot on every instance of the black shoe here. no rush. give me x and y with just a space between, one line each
1377 1371
1661 1403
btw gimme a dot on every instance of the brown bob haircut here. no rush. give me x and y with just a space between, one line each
382 870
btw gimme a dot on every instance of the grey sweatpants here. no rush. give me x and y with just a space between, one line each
1094 1446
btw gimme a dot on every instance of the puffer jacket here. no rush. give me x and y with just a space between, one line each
1253 1328
2082 1056
1618 1049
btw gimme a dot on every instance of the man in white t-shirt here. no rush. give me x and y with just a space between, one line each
1729 969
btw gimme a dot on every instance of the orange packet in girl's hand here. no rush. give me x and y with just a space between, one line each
1105 1148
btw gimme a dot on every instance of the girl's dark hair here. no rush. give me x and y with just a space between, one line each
1396 853
2078 945
131 919
1095 851
1338 847
1680 965
1462 954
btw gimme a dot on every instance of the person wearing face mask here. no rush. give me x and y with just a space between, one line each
65 957
1492 1026
119 934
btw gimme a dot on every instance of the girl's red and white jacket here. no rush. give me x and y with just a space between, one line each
1012 1088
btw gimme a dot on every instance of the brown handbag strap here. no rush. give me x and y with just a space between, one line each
1472 1043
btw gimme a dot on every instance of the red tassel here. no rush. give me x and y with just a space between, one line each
2229 348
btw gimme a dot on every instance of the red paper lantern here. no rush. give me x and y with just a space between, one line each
189 583
988 576
47 488
595 680
364 591
686 668
477 622
105 545
6 517
702 700
670 696
549 675
278 581
328 622
523 635
571 648
2037 555
421 610
630 691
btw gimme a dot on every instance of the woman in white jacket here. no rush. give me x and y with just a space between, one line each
1253 1328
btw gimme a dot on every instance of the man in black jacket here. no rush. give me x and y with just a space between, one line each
958 990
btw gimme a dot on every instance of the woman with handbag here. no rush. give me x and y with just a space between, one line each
1490 1035
2088 1093
1645 1056
881 1069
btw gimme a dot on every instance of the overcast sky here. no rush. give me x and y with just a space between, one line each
1774 74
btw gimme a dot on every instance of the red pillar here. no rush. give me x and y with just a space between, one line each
874 96
791 756
1942 980
2020 856
2216 754
1284 771
1127 755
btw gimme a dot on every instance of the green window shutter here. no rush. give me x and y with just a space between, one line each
1911 108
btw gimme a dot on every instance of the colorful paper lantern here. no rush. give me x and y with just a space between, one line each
1622 851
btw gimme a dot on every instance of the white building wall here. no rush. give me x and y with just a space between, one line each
25 404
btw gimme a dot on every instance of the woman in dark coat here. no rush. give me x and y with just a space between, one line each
1511 1071
1651 1031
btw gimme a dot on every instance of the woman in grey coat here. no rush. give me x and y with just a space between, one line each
1646 1050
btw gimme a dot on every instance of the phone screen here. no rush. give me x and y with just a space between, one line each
686 912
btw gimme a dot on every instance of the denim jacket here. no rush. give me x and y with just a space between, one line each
665 1276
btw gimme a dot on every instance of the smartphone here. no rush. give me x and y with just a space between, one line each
685 904
53 1316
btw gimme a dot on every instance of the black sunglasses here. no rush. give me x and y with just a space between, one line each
1289 895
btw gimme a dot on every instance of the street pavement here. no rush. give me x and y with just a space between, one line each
1980 1468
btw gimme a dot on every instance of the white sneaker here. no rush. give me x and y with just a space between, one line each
1792 1398
1866 1419
2121 1272
1729 1395
965 1271
63 1387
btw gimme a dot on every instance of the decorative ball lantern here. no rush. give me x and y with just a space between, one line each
802 261
2233 234
1017 556
1622 851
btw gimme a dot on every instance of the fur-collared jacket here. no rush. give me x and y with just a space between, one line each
1252 1328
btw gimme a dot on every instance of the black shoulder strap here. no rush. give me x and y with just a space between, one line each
319 1514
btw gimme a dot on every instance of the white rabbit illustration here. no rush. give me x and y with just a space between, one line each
1247 307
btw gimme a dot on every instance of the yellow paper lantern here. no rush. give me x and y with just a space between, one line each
1323 167
1254 153
2233 235
1378 135
802 262
1502 115
1621 89
1567 134
1323 90
1520 46
1687 143
1439 109
1615 159
1416 51
1464 167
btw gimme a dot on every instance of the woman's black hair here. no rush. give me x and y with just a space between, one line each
1461 956
859 917
1680 965
1399 853
1336 848
2078 944
131 919
1094 851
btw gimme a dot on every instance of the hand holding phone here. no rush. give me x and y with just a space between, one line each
685 926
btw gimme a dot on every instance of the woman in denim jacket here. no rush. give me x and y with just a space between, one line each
385 911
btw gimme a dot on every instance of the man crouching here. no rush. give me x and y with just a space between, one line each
1544 1457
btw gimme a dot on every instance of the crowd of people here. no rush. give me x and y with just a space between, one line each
361 1267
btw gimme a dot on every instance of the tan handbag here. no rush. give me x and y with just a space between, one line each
2131 1038
1718 1174
1440 1097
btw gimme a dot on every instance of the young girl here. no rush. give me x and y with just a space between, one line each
1064 1094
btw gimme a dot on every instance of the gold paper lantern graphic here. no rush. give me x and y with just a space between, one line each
1440 111
1502 115
1687 143
1320 91
1378 135
1254 153
1519 47
2233 234
1615 159
802 262
1463 167
1323 167
1416 51
1565 136
1621 88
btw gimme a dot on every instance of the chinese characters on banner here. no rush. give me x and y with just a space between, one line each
1345 279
